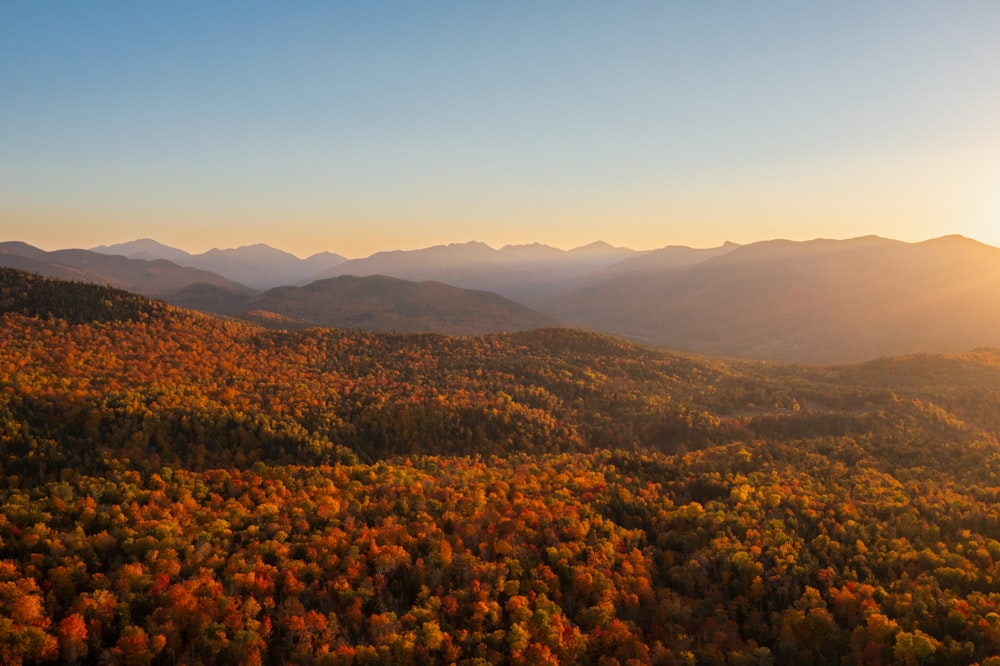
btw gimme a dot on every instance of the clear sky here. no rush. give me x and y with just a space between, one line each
362 126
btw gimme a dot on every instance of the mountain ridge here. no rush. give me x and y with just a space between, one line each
151 277
813 301
375 303
257 265
821 300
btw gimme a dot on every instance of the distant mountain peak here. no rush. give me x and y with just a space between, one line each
599 247
955 239
256 248
470 244
325 256
143 248
531 250
257 265
520 245
137 243
24 249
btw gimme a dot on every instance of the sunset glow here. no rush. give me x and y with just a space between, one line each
362 129
459 332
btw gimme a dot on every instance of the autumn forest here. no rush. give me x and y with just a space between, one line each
179 488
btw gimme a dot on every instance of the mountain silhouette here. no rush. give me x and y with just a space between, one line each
375 303
814 301
258 266
149 277
518 272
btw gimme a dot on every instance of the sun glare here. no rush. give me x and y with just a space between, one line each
986 225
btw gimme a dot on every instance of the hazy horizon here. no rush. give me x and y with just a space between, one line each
471 241
780 452
354 128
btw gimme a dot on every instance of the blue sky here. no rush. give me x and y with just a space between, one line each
357 127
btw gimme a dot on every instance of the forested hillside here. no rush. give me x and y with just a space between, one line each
178 488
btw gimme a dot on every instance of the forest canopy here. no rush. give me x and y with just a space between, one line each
178 488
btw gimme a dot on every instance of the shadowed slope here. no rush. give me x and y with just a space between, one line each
376 303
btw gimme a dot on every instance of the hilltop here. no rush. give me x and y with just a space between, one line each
376 303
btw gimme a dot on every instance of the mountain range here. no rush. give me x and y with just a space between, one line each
814 301
817 301
257 266
148 276
376 303
519 272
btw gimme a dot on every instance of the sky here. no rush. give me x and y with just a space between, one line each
366 126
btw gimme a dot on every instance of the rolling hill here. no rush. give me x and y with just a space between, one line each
376 303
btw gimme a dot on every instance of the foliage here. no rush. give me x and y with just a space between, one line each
183 489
